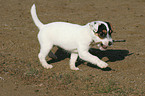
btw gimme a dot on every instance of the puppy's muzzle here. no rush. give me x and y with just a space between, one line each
104 47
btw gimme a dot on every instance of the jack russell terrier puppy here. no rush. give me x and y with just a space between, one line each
73 38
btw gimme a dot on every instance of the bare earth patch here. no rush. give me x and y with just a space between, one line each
21 74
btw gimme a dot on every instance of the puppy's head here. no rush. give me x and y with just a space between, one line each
102 33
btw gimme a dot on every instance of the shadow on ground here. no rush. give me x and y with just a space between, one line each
112 55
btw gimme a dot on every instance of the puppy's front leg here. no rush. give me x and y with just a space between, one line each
85 55
73 59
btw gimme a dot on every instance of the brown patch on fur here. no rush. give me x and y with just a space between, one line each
104 31
111 27
99 36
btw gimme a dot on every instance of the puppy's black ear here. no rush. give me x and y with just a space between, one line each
110 26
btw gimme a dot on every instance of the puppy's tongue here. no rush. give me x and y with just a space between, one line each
105 47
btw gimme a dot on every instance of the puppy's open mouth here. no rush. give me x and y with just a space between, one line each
103 46
100 45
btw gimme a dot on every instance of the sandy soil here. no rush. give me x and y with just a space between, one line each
21 74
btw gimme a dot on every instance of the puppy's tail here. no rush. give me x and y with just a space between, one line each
36 20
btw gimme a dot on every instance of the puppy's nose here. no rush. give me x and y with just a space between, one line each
110 43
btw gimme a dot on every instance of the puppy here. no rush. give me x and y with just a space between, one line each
73 38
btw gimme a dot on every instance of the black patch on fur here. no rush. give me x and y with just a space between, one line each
110 28
101 28
100 31
95 23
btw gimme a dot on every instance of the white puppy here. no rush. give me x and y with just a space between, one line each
73 38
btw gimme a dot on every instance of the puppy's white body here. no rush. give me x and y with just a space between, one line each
71 37
67 36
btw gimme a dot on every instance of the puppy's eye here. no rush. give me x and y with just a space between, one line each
102 34
94 22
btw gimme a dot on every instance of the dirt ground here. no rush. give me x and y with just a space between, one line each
21 74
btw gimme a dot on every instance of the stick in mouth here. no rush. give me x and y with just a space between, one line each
119 40
93 43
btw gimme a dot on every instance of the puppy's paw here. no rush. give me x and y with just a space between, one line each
102 64
74 68
48 66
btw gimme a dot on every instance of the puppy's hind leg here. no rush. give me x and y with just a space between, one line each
73 59
45 49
